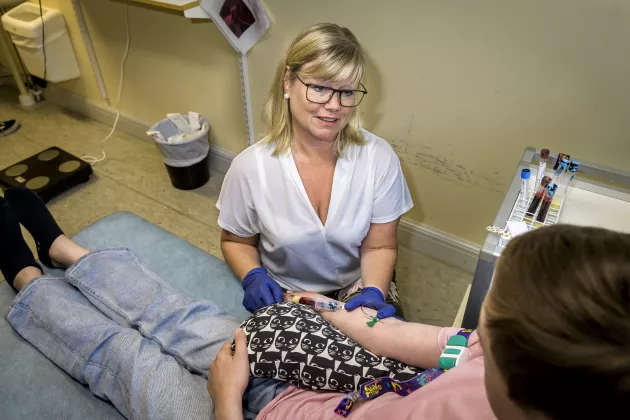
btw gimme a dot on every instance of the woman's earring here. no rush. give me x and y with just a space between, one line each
286 96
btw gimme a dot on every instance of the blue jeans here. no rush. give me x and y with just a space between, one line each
117 327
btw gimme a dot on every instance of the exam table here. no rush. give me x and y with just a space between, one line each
32 387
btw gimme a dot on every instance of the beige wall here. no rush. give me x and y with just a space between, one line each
459 87
174 65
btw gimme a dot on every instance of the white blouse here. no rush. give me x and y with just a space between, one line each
263 194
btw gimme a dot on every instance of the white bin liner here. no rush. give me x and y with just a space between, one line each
181 153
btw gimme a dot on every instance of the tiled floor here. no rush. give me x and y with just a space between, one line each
133 178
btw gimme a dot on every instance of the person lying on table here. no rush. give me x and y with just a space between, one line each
552 343
315 205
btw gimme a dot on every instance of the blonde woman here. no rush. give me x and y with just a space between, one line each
315 205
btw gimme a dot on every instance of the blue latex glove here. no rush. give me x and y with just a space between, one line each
260 290
372 297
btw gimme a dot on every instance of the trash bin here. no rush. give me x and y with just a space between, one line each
188 161
24 24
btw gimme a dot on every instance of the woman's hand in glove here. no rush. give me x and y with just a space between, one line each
372 297
260 290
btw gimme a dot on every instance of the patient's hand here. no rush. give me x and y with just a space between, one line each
228 378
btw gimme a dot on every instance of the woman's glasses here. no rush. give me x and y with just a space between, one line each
322 94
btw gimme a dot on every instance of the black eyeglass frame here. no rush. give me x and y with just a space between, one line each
340 91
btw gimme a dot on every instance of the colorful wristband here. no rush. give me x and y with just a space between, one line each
380 386
456 351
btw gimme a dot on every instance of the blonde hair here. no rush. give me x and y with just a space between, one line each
333 53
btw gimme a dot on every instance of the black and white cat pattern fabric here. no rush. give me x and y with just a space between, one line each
292 342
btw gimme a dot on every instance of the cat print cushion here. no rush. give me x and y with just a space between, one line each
292 342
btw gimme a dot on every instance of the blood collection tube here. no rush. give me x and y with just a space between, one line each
562 166
319 303
572 169
525 175
561 178
538 195
559 159
542 164
546 202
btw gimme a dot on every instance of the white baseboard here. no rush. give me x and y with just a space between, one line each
220 159
439 245
96 111
434 243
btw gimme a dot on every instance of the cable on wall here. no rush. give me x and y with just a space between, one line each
93 160
41 16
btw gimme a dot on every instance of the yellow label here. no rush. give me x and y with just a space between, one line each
372 390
